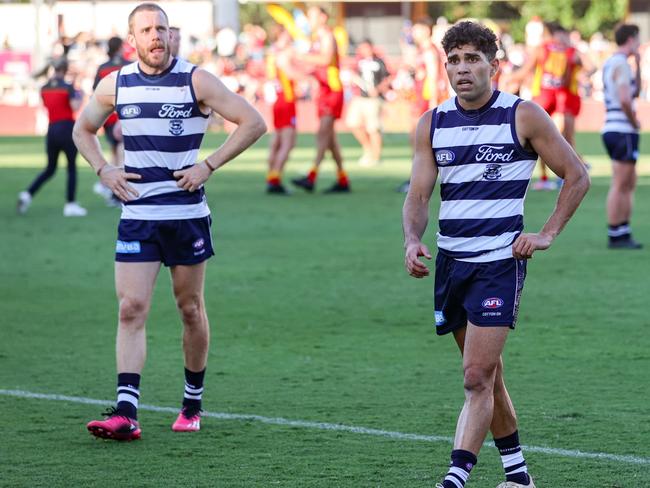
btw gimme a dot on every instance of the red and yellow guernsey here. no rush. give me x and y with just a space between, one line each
552 70
284 86
328 77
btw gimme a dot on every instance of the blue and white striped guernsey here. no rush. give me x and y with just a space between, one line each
616 120
163 128
484 174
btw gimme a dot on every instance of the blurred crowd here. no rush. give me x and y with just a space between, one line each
239 60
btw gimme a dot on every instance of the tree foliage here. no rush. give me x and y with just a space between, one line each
588 16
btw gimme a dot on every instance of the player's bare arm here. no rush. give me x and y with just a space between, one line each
625 96
325 54
415 214
527 69
213 95
101 104
536 129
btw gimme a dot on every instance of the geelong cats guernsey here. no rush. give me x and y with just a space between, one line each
616 120
162 127
484 174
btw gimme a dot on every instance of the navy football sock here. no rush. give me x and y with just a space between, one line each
462 463
512 458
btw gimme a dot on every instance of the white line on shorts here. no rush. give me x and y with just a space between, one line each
305 424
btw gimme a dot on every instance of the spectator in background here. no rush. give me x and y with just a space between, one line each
371 80
61 101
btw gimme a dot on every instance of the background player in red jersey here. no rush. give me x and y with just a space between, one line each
426 77
112 131
324 59
61 100
282 76
553 67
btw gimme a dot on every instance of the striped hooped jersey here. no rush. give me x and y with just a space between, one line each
162 126
616 120
484 174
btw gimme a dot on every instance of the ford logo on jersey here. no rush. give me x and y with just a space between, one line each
494 302
445 156
489 153
174 111
130 111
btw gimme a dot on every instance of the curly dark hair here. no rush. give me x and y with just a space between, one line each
468 32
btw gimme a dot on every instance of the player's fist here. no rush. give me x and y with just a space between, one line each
527 244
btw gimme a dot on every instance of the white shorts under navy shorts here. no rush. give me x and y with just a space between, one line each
172 242
622 146
486 294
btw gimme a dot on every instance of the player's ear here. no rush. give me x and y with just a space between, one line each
494 67
130 38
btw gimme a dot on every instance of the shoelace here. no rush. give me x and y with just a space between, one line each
188 412
112 412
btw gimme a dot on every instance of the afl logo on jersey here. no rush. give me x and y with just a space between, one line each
130 111
176 127
445 156
494 302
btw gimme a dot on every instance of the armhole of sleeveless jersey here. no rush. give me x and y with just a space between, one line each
196 103
513 129
117 87
432 127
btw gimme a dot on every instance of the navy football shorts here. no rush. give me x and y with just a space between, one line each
486 294
172 242
622 146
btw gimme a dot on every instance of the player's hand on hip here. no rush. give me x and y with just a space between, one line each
527 244
192 179
117 180
414 266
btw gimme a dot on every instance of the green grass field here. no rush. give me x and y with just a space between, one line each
315 321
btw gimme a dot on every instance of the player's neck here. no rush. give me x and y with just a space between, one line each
476 103
153 71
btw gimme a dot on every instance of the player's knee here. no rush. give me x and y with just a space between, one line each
478 378
133 311
191 309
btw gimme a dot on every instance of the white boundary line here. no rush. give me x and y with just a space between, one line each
305 424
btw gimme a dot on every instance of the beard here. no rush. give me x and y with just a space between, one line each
154 61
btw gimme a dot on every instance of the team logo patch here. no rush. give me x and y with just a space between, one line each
492 172
445 156
440 318
176 127
127 247
492 303
198 244
130 111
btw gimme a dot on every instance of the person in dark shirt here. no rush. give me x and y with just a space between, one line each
61 101
371 80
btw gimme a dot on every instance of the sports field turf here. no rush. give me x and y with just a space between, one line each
314 321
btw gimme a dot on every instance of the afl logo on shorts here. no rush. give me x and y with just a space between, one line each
445 156
130 111
176 127
491 303
198 244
